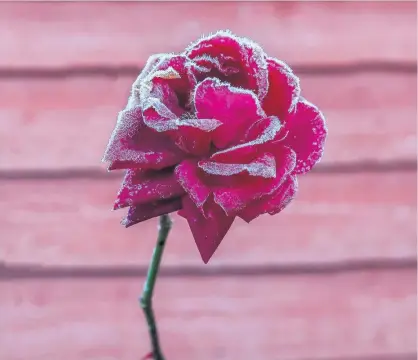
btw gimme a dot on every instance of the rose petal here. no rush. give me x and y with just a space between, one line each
188 175
284 89
282 198
221 67
272 204
263 166
139 213
133 143
153 63
236 108
171 81
163 101
233 198
150 66
141 187
225 65
306 135
161 119
248 56
259 134
185 83
208 232
166 89
166 106
188 133
192 140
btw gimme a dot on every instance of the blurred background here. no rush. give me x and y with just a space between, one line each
333 277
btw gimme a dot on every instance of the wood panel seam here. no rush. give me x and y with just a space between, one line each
21 271
407 67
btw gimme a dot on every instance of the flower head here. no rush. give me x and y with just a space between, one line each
215 132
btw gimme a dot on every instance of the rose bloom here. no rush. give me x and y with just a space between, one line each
216 132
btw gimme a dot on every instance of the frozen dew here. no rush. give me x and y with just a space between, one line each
252 56
268 134
264 166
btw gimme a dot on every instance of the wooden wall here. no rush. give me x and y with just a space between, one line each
333 277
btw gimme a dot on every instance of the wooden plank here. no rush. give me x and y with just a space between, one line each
55 124
76 34
334 218
353 315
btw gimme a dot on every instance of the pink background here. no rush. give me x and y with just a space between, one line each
332 277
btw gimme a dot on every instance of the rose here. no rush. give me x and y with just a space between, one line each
216 132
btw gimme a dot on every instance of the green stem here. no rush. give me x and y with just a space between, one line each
146 297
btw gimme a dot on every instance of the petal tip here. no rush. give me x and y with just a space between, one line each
205 259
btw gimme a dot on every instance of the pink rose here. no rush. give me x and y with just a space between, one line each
216 132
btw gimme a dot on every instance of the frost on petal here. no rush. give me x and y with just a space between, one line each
163 111
272 204
209 231
123 165
132 144
158 95
234 52
189 177
194 136
185 83
150 66
166 89
159 118
141 187
283 196
264 166
190 134
170 81
235 193
221 67
306 135
235 108
258 135
284 89
142 212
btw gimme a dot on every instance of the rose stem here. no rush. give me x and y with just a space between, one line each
146 297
